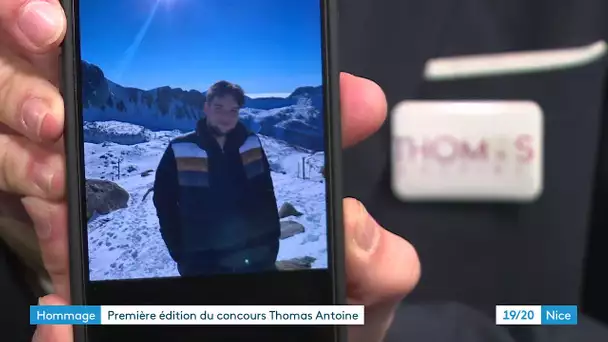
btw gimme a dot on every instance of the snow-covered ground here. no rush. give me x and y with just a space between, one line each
126 243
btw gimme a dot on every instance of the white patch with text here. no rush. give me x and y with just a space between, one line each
467 150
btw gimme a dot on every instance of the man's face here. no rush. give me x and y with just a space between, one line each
222 114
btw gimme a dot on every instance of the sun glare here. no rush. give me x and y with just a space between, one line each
167 3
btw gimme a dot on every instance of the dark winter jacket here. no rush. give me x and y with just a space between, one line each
216 208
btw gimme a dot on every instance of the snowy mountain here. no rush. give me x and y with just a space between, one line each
296 119
125 243
98 132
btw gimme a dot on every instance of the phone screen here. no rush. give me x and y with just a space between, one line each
205 137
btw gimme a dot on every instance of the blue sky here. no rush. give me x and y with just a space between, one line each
266 46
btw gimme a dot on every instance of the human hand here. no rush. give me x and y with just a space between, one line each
32 168
381 267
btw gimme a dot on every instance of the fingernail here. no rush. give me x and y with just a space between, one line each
43 229
40 22
42 222
36 337
37 334
367 230
43 178
34 111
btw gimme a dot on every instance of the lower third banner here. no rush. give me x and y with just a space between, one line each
198 315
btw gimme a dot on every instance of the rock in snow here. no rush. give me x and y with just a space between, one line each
287 209
291 228
104 196
295 264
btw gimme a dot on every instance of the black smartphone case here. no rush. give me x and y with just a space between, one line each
70 87
70 81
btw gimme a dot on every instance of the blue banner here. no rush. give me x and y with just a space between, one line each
559 315
60 314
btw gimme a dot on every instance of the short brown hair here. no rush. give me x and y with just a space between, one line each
223 88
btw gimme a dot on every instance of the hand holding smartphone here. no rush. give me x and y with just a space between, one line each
203 153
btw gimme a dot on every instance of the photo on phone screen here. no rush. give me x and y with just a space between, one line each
203 129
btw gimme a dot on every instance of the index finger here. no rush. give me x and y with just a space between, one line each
37 26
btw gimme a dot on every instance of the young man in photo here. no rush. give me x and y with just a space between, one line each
214 194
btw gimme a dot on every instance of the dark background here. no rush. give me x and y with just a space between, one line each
549 252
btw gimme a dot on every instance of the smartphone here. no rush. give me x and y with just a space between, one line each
203 152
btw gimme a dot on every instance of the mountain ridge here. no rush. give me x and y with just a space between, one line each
297 119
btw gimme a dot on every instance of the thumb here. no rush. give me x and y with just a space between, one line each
36 25
53 333
381 268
